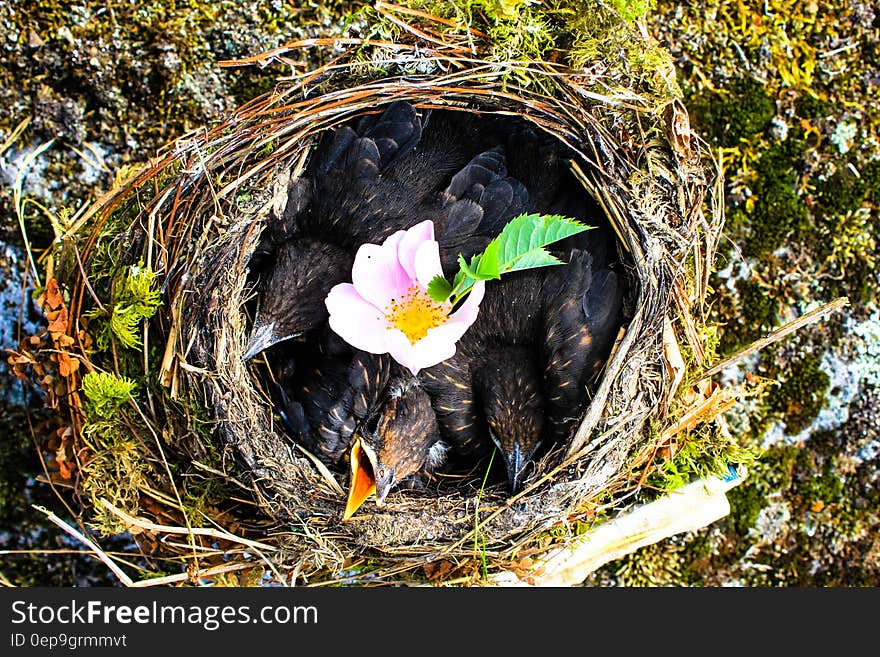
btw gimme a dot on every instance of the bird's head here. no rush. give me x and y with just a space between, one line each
399 439
517 438
513 404
292 300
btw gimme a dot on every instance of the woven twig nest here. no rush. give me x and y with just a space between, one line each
195 216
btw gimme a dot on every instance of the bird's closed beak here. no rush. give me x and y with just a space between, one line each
363 478
515 460
263 337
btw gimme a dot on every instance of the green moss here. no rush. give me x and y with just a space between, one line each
849 252
840 194
810 106
816 477
106 393
598 36
777 210
497 9
701 454
772 474
115 472
203 492
779 162
833 534
134 299
746 502
658 564
739 112
521 32
801 396
870 176
755 316
825 487
698 551
517 29
630 10
850 231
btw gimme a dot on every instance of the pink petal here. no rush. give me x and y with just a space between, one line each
434 348
427 263
428 351
408 248
356 320
400 348
377 274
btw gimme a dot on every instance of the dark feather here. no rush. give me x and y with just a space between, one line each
327 397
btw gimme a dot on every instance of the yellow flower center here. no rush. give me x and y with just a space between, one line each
415 313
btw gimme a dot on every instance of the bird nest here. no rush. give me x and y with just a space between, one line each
197 450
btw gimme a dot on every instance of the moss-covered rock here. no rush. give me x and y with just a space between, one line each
738 111
758 311
839 194
802 393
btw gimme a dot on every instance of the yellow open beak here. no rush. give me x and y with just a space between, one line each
363 478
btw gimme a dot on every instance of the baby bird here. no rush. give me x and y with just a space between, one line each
328 403
492 389
400 440
324 394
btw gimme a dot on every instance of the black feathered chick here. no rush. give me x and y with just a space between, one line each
520 374
404 437
492 389
325 392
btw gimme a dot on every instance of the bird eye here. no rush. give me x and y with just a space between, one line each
382 473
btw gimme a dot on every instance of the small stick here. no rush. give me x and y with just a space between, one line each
808 318
184 577
125 579
194 531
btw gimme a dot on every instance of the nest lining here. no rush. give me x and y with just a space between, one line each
210 200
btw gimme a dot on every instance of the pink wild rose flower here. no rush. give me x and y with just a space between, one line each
386 308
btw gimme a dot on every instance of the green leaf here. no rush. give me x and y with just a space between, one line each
439 289
469 269
528 232
520 245
531 259
488 266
